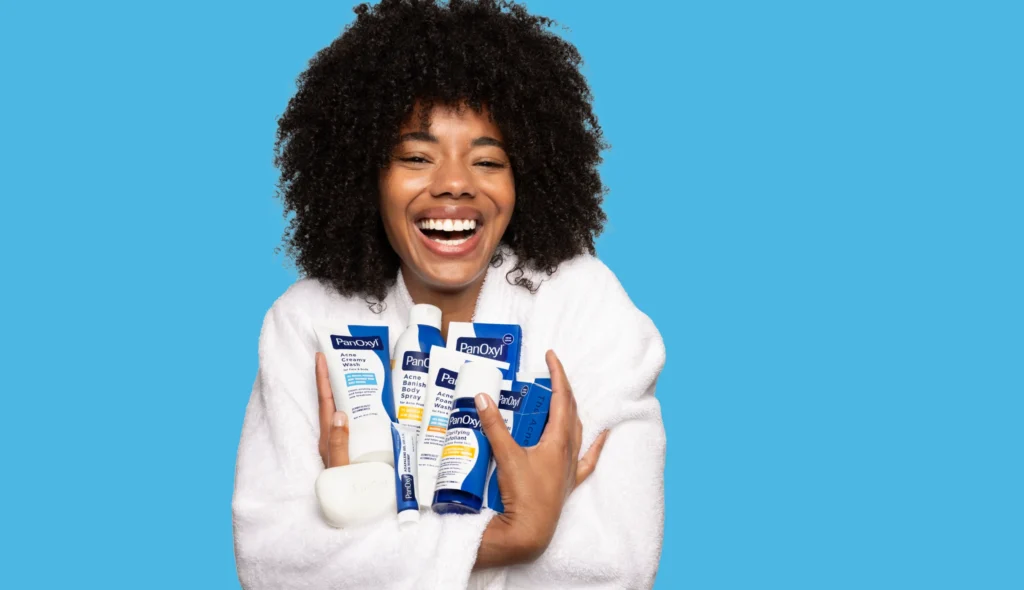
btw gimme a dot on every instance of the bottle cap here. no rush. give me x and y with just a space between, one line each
475 378
408 518
426 314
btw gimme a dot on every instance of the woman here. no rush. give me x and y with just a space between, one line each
447 154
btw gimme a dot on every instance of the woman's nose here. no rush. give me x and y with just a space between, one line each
454 180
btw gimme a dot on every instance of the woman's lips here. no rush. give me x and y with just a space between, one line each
450 212
452 250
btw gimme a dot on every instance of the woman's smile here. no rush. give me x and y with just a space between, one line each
450 230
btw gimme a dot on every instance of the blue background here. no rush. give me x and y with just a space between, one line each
819 204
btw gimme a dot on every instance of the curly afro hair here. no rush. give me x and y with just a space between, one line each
339 129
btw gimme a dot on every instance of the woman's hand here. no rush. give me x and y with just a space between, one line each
534 481
333 425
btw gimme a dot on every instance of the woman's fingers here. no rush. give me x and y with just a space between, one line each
323 386
588 462
563 432
560 412
502 443
575 441
337 441
578 435
326 402
333 425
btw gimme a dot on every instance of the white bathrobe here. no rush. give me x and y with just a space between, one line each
610 531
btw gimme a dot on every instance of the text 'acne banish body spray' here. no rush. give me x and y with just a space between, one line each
409 378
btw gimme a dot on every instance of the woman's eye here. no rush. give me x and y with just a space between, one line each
414 160
491 164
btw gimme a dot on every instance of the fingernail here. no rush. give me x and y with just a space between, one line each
340 418
482 402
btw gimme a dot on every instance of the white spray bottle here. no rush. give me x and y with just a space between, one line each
409 378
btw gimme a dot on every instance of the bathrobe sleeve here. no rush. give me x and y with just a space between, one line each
610 531
281 539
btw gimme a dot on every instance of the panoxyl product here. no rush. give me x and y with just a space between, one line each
409 373
525 410
541 378
530 393
500 342
360 372
404 440
467 453
445 365
411 362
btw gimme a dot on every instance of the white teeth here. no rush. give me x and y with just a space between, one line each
447 224
451 242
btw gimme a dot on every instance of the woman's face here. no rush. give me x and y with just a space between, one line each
447 196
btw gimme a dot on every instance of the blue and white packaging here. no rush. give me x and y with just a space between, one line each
443 377
462 474
404 441
359 365
500 342
538 392
525 410
409 375
525 395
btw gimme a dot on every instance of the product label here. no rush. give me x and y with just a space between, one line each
438 424
364 375
356 343
525 397
415 360
444 398
492 348
466 455
498 342
410 379
537 401
434 427
410 385
359 362
404 439
509 403
529 428
446 379
509 400
353 379
410 414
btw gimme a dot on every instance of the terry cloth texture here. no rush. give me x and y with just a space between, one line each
610 531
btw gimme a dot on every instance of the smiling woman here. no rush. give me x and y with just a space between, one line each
371 105
447 154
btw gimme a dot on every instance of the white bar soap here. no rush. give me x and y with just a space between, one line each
357 493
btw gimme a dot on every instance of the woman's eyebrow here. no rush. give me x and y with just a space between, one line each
487 141
428 137
418 136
